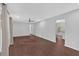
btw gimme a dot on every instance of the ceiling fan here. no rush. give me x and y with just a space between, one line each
30 20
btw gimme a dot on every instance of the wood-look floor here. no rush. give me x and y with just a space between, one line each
35 46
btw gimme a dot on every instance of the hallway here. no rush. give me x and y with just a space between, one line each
36 46
45 22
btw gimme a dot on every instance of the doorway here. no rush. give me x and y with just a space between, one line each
60 32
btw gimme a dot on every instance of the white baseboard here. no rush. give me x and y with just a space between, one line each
72 47
55 42
45 38
21 35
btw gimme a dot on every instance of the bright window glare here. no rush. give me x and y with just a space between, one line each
58 21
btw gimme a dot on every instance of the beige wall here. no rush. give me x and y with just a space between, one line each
5 47
20 29
46 29
0 30
0 37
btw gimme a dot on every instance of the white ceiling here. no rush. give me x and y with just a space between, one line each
38 11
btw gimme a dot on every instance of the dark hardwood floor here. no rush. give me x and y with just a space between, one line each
36 46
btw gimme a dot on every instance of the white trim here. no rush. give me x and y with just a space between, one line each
58 15
21 35
45 38
72 47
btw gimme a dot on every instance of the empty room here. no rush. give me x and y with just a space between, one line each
39 29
